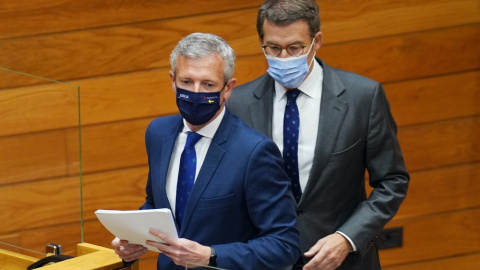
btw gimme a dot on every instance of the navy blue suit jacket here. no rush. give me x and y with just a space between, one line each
241 202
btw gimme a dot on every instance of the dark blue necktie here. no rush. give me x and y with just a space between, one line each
291 124
186 175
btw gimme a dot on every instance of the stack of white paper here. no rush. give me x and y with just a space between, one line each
134 225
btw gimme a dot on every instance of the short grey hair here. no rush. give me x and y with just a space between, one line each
286 12
199 45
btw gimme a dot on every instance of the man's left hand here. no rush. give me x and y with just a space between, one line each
182 251
328 253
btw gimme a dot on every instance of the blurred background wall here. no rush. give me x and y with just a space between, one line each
425 53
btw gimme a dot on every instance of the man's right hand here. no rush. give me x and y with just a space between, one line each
128 252
328 253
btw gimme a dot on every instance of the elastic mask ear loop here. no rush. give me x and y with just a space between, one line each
311 61
313 58
223 88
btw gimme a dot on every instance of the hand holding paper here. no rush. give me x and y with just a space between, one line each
134 225
182 251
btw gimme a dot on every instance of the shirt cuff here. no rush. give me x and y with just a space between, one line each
354 247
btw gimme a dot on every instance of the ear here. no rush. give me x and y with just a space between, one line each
227 91
172 79
318 41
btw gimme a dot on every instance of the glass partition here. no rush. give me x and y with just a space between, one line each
40 164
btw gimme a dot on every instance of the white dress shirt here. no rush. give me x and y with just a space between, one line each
308 103
201 148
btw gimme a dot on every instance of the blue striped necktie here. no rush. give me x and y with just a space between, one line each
186 175
291 125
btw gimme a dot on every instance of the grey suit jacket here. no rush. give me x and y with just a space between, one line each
357 133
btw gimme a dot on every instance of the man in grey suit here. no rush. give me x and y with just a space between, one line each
342 126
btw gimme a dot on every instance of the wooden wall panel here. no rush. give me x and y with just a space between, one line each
120 189
441 144
347 20
434 99
32 109
39 204
148 45
434 237
465 262
342 19
32 156
36 156
47 16
409 56
394 58
117 98
130 48
114 145
447 189
424 52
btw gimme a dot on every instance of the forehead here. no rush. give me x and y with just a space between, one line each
209 67
288 34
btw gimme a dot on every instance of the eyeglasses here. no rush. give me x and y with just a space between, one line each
292 50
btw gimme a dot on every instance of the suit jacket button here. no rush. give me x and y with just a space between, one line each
299 212
370 244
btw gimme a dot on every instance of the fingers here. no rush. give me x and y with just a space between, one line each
181 251
163 237
164 243
328 253
318 254
128 252
163 248
315 248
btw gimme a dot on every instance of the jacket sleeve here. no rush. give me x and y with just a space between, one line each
387 175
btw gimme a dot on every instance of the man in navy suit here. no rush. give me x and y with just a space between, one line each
345 128
240 213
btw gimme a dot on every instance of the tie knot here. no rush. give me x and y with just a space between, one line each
192 139
292 95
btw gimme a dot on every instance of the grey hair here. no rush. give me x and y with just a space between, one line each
199 45
286 12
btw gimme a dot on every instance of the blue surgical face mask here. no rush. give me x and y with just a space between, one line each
197 108
289 72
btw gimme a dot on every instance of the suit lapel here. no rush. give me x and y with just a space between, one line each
263 106
332 112
167 148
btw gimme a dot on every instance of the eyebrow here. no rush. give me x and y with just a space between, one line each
293 43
